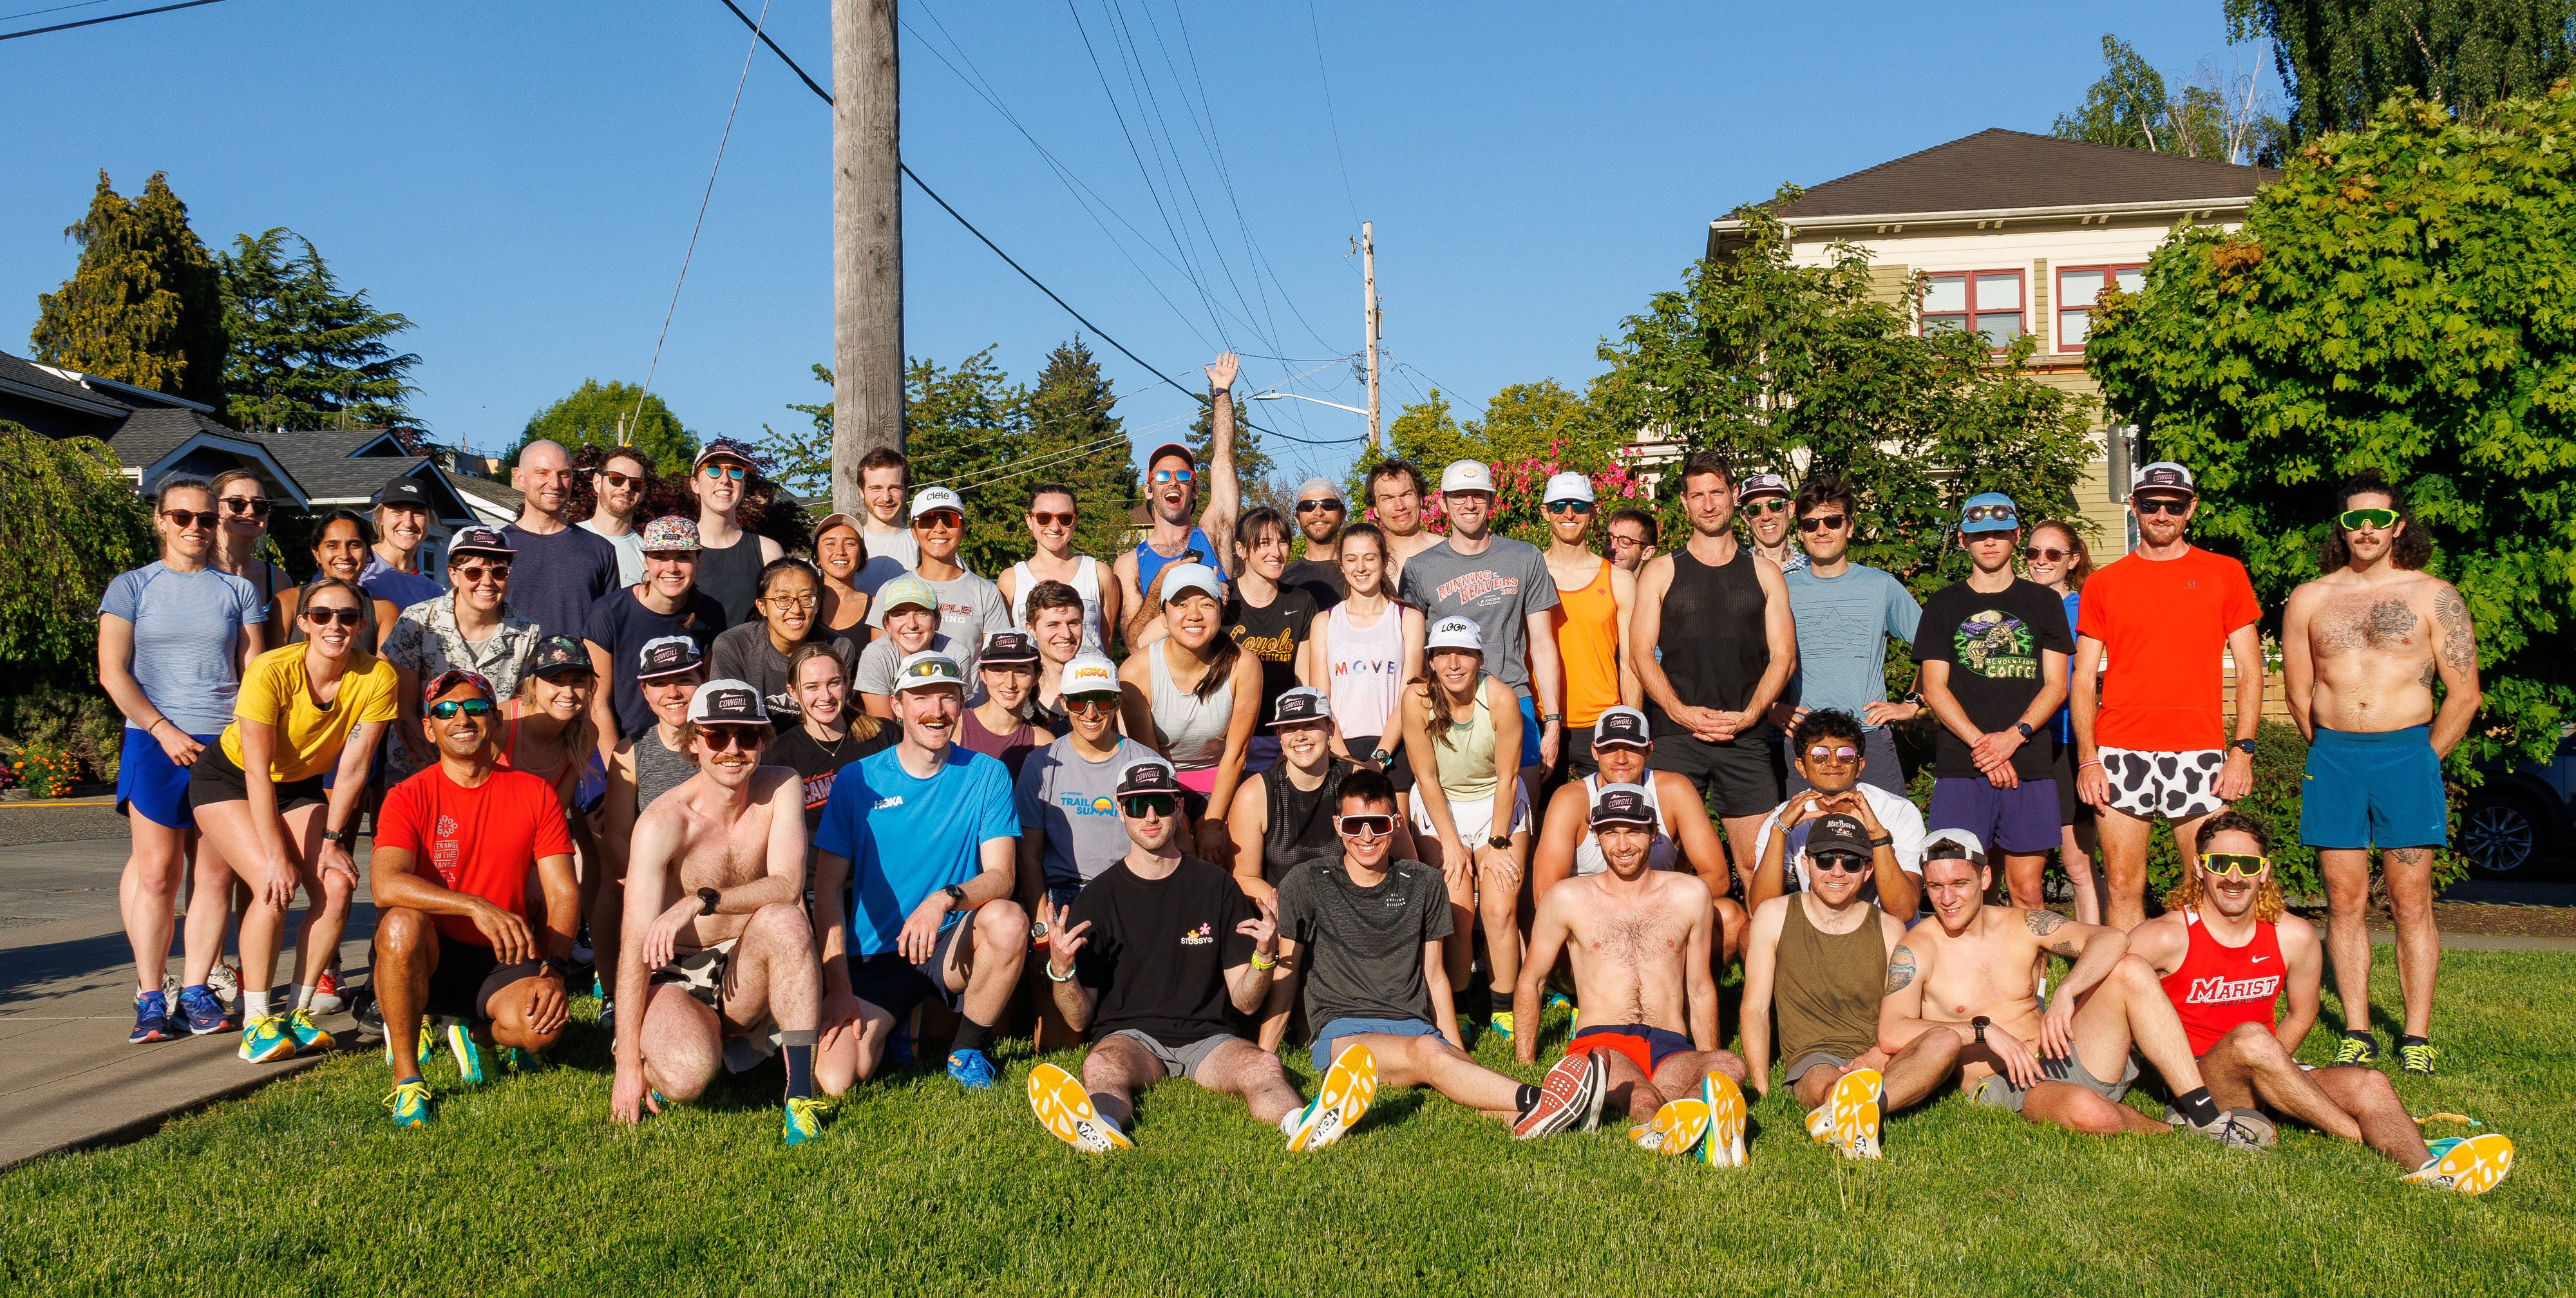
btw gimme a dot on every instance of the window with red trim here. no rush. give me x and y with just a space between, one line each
1988 301
2077 286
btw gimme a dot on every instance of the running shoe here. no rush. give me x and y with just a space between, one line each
1567 1097
468 1052
2416 1056
225 982
1349 1085
608 1015
1065 1110
2356 1048
151 1019
308 1034
970 1069
804 1120
2234 1128
1500 1024
329 993
2471 1166
427 1047
1724 1144
205 1015
1852 1105
1678 1128
265 1038
524 1061
409 1102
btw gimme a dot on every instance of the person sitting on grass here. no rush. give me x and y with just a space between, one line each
715 924
1365 928
455 847
1972 971
1621 749
1156 1005
1828 751
1639 941
2228 950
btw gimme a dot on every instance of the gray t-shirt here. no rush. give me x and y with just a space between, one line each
1843 625
1363 946
1499 589
1069 797
745 654
630 552
970 608
875 672
187 639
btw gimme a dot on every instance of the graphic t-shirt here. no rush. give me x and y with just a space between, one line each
1498 589
1363 946
905 837
2164 625
276 691
819 762
557 577
485 840
1843 625
1070 797
1275 635
622 625
1159 949
187 639
1993 644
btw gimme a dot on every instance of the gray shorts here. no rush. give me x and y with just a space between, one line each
1997 1091
1177 1061
1817 1059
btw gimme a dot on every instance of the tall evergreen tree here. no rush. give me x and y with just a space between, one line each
304 353
1076 439
965 428
2342 58
144 306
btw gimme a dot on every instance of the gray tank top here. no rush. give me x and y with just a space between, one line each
658 770
1190 729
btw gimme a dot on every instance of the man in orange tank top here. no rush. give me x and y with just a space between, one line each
1594 598
2226 952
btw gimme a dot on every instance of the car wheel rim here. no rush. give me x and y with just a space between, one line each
2498 839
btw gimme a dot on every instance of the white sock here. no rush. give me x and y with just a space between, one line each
254 1004
1288 1122
304 996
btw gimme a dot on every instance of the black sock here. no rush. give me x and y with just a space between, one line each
1528 1098
2362 1034
2405 1041
797 1048
971 1035
2197 1106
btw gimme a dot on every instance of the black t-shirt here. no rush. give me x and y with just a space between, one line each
620 624
818 762
558 576
1158 950
1274 635
1320 580
1363 946
1993 643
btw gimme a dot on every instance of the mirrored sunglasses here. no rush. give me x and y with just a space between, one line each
1090 703
1988 513
1145 806
1365 826
2353 520
1569 507
1767 505
723 470
2237 864
1833 753
446 710
1174 475
948 518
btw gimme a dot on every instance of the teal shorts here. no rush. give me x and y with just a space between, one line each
2381 789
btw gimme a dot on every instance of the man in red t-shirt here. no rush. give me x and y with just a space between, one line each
2227 952
2153 743
455 933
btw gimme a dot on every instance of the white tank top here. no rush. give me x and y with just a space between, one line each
1190 729
1660 854
1366 671
1086 583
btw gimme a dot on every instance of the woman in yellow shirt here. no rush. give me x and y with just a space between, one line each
304 711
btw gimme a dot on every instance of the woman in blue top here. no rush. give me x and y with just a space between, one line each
173 639
2056 558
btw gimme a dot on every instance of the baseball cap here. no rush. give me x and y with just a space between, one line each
405 492
1946 845
727 702
1089 673
2164 475
830 521
1147 775
1331 492
480 540
1455 633
1567 486
1977 514
1621 726
906 590
559 655
450 679
1180 449
1622 804
666 655
1466 475
1007 649
1836 834
925 669
1761 486
722 448
1300 705
669 534
1181 578
932 499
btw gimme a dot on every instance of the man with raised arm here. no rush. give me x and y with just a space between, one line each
1172 483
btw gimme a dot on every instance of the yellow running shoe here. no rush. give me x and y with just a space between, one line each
1853 1104
409 1102
265 1038
1724 1144
804 1120
1339 1103
1677 1128
308 1034
2472 1166
1064 1109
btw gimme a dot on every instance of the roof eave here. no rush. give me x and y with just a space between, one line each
67 401
2195 207
156 398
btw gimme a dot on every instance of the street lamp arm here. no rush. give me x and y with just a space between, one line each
1276 396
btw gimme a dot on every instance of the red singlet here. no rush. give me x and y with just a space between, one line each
2218 987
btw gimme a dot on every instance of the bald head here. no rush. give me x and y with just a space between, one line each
544 480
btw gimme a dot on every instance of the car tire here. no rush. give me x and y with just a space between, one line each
2504 835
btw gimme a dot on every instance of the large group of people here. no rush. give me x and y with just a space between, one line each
1401 792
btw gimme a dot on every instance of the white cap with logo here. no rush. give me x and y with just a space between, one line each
934 498
1456 633
1090 673
1467 475
1567 486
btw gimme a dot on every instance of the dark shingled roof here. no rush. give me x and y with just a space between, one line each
2015 169
18 369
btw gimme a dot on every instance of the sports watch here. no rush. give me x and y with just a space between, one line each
1980 1023
342 837
2024 728
707 899
1500 841
956 895
2245 746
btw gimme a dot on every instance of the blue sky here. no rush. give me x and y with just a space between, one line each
521 179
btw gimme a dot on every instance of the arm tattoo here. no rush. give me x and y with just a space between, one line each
2459 637
1900 970
2041 923
2432 672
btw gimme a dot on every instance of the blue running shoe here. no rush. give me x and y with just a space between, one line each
805 1120
409 1102
308 1034
970 1069
468 1052
206 1016
898 1052
151 1019
265 1038
523 1061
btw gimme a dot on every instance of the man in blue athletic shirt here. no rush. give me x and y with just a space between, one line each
1845 613
1171 483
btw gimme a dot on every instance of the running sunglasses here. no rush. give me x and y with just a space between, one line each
326 616
254 506
1823 522
1143 805
1366 826
446 710
1311 506
1837 863
621 481
2238 864
2037 555
1837 753
947 518
1569 507
1090 703
1767 505
721 470
1174 475
2353 520
1051 520
1989 513
2174 505
187 518
725 739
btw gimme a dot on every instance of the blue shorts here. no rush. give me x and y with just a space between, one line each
148 783
2006 820
2373 790
1328 1042
1529 731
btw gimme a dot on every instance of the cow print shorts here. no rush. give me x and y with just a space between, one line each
2176 786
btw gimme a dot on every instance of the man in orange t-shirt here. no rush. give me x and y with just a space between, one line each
1594 596
2154 742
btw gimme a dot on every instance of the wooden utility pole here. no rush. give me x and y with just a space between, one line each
867 242
1369 312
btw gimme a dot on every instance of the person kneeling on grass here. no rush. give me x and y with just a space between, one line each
1366 930
1149 959
1638 939
715 924
2227 951
455 847
1972 970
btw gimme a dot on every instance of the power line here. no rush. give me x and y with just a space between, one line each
50 9
703 199
1330 117
93 22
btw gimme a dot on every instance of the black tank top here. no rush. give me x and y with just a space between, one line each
1301 823
1715 648
731 577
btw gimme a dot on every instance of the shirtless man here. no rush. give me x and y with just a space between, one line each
715 924
2361 648
1396 489
1639 940
1681 838
1971 970
2228 951
1171 483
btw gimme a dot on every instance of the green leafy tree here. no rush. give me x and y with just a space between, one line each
608 414
2393 302
305 354
2342 59
1528 421
804 455
2213 117
967 429
1077 439
1428 433
72 524
144 305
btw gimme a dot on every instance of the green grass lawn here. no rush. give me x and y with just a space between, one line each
526 1187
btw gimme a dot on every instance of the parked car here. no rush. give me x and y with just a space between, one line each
2521 816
